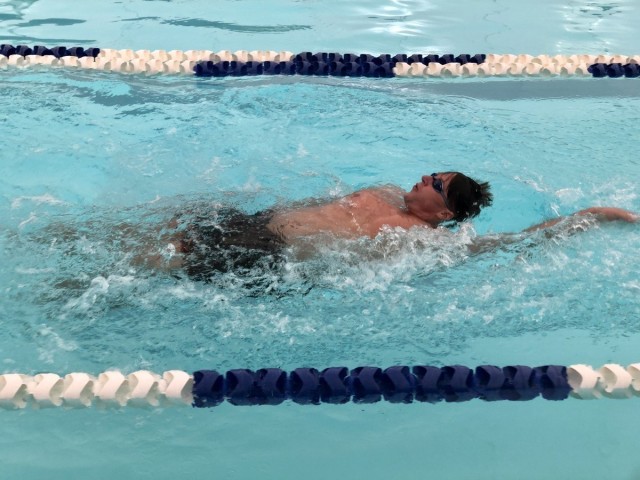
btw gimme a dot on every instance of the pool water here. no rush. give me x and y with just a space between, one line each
94 165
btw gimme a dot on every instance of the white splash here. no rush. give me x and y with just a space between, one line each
33 271
302 152
53 344
32 218
38 200
569 195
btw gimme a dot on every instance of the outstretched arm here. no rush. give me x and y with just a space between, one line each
603 214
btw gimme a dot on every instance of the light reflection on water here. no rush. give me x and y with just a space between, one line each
390 26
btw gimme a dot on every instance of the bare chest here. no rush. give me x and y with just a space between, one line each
357 215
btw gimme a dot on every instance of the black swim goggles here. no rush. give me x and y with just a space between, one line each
438 186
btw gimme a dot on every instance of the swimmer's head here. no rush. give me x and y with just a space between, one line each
447 196
467 196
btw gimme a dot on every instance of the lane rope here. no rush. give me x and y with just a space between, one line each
309 386
207 63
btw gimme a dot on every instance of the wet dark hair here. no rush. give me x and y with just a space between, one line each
466 196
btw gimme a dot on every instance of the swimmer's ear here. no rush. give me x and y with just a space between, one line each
445 215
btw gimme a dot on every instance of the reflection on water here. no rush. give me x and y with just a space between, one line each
599 9
387 26
598 23
233 27
15 24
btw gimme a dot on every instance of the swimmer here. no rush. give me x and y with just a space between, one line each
235 241
435 199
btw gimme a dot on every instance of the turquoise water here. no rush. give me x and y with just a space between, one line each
383 26
86 154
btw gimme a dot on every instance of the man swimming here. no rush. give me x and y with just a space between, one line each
436 198
230 240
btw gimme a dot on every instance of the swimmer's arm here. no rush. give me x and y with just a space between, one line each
600 214
490 243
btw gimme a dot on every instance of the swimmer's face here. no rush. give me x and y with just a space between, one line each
427 199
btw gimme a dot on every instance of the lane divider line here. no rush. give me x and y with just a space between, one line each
309 386
207 63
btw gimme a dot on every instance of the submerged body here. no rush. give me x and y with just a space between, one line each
231 240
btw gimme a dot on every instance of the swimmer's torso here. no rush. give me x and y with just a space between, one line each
362 213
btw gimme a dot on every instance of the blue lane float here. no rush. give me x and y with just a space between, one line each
330 64
40 50
241 69
614 70
397 384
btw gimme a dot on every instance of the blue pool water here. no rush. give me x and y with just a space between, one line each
93 163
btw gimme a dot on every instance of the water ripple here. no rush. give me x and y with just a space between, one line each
234 27
59 22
